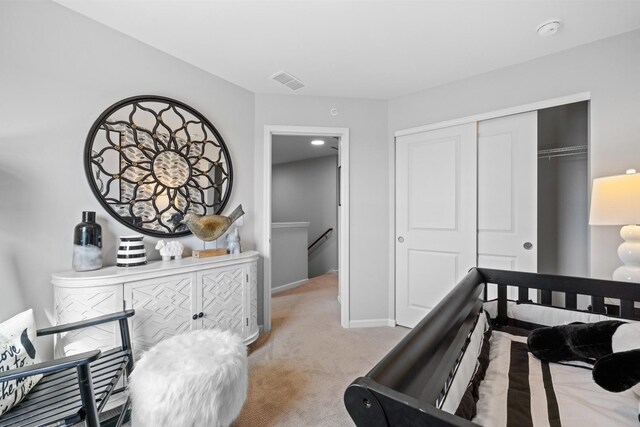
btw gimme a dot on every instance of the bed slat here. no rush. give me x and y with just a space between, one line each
626 309
597 305
571 300
502 304
523 294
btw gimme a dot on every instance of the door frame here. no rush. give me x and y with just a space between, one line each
548 103
343 213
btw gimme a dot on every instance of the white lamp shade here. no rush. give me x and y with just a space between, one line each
615 200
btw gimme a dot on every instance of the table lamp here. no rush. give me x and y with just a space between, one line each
615 200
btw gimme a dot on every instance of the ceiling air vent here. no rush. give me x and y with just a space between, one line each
287 80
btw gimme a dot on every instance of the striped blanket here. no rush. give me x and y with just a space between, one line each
521 391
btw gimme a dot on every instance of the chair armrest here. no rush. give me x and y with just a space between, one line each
50 366
86 323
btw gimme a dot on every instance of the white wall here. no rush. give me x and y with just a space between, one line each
58 72
367 121
609 69
306 191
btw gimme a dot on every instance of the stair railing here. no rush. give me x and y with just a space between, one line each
319 241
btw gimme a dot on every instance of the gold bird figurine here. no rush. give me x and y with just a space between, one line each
210 227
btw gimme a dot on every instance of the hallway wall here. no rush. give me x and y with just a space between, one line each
306 191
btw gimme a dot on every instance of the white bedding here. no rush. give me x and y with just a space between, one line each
467 367
571 397
543 315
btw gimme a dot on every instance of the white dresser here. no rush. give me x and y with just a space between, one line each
170 297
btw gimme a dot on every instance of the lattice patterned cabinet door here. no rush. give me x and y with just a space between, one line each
75 304
164 308
223 296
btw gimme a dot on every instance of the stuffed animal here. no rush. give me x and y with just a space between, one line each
612 346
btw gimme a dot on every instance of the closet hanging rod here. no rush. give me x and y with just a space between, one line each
563 151
550 156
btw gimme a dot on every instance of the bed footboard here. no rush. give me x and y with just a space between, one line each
403 388
373 405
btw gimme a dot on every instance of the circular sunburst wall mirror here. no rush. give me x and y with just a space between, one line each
150 160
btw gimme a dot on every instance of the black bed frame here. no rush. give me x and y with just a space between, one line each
403 388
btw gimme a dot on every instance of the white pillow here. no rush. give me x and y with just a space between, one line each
545 315
17 349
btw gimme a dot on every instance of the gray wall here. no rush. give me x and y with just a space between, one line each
59 71
563 192
289 261
306 191
369 186
609 69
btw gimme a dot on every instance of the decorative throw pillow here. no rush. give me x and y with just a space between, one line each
17 337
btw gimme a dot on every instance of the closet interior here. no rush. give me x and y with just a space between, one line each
563 190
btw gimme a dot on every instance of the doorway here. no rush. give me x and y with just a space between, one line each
304 209
339 137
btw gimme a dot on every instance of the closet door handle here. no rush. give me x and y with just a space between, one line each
195 317
528 246
400 239
201 314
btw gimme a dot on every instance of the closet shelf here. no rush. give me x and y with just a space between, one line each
563 151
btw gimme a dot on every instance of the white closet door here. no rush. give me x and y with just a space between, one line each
435 217
508 194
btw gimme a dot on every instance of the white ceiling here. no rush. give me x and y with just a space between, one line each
360 49
291 148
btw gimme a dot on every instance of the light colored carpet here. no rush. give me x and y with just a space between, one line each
299 371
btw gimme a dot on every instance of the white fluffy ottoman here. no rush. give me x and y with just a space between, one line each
195 379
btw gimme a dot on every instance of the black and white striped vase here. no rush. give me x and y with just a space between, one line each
131 252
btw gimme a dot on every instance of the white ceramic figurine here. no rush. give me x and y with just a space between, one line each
170 250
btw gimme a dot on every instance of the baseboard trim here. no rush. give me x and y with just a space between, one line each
333 270
372 323
288 286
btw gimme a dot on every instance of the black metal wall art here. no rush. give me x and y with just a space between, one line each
150 160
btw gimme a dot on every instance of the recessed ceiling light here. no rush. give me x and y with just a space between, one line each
549 27
317 142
